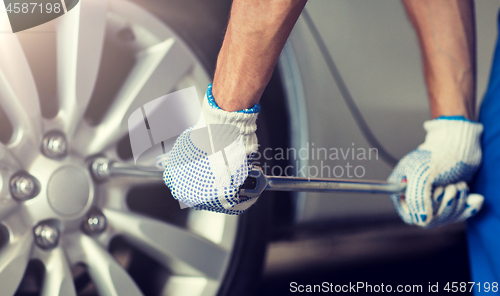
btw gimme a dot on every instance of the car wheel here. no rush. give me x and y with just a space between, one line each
67 88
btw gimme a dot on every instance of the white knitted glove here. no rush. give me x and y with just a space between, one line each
437 172
211 160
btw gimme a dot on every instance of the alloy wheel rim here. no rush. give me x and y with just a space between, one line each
56 153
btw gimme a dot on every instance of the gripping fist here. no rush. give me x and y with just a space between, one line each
436 174
211 160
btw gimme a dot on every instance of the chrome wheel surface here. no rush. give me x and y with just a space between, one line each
105 60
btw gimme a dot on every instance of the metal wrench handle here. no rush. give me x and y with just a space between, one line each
329 185
103 169
257 182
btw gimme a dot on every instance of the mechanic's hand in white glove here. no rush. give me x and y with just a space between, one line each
211 160
436 174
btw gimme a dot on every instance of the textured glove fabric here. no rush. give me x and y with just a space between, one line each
436 174
211 160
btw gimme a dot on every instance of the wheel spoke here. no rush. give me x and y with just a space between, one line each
183 285
19 97
8 166
13 261
58 279
167 242
80 39
156 72
7 206
114 196
108 276
7 160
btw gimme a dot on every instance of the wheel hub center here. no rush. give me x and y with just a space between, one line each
68 190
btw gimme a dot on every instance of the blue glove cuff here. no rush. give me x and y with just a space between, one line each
213 104
454 117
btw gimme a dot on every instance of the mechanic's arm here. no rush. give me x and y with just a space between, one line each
437 171
255 36
446 31
210 161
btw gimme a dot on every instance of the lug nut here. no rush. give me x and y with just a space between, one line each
54 145
94 223
23 186
100 169
46 236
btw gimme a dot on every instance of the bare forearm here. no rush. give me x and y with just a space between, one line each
255 36
446 31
